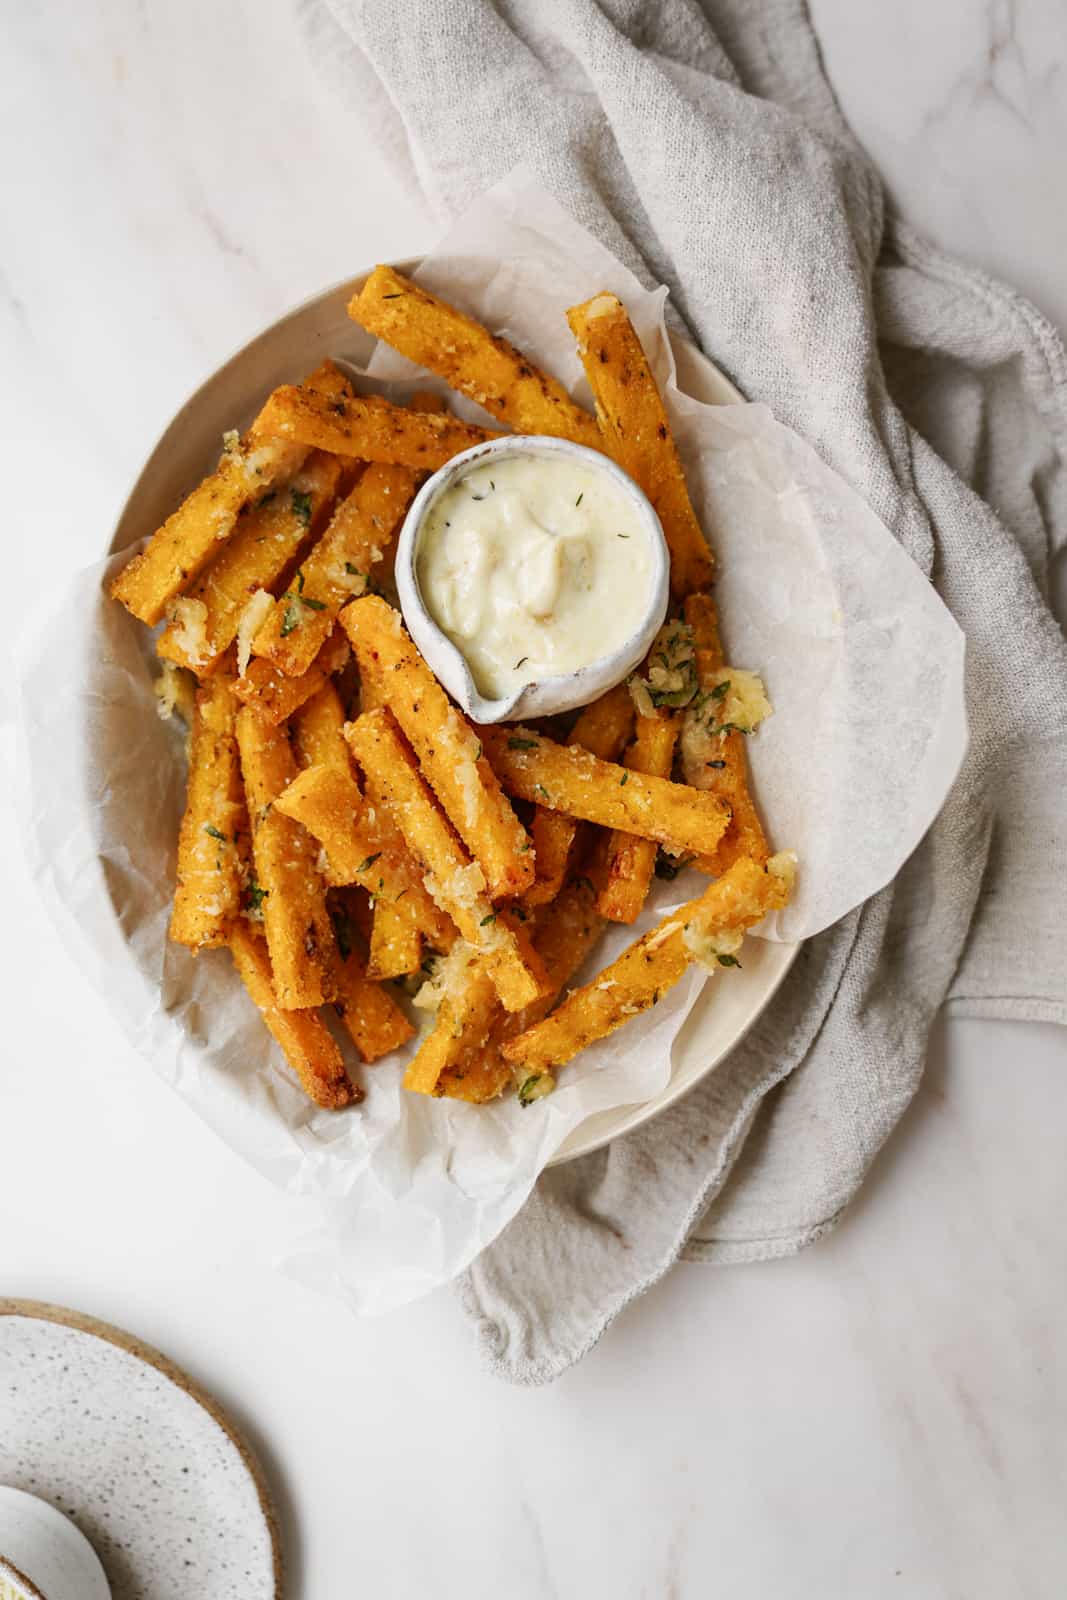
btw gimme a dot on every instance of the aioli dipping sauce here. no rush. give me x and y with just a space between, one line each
534 565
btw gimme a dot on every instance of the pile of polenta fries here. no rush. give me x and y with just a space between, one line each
346 827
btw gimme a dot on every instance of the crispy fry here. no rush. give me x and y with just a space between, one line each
602 728
363 847
629 862
486 369
179 551
395 943
448 749
461 1057
208 892
636 432
372 1018
370 428
648 968
278 697
566 778
456 882
337 570
306 1042
267 540
319 731
728 780
468 1009
295 917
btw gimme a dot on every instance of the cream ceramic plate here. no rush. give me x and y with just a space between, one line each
189 448
142 1461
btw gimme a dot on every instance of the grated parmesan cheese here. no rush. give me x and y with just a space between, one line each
175 691
253 617
190 630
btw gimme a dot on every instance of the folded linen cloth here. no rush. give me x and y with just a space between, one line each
702 144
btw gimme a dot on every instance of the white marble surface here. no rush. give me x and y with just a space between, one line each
883 1416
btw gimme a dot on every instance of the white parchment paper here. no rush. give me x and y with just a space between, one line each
863 665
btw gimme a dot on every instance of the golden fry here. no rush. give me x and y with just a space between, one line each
363 847
372 1018
630 862
319 731
180 550
293 895
486 369
395 943
278 697
645 971
306 1042
602 728
719 764
370 428
456 882
637 434
464 1048
208 892
449 751
267 540
566 778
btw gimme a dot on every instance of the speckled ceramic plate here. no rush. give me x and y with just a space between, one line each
120 1440
231 397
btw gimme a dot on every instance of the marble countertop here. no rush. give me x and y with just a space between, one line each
885 1415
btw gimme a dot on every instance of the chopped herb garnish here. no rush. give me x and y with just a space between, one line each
520 663
487 920
477 496
624 780
313 605
720 689
300 581
291 618
522 744
528 1089
492 485
539 788
254 895
728 961
580 498
622 536
352 570
214 832
395 296
301 503
478 751
365 866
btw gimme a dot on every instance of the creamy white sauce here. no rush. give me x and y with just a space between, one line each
534 566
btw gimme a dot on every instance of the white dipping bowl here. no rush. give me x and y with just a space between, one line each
43 1556
566 690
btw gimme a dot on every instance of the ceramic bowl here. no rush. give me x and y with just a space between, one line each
563 691
43 1556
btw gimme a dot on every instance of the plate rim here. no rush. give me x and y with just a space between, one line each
131 1344
708 376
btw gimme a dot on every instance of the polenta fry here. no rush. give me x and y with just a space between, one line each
306 1042
370 428
449 751
456 882
602 728
179 551
295 918
566 778
648 968
278 697
372 1018
362 847
319 731
267 540
629 862
637 434
395 943
487 369
208 892
719 763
